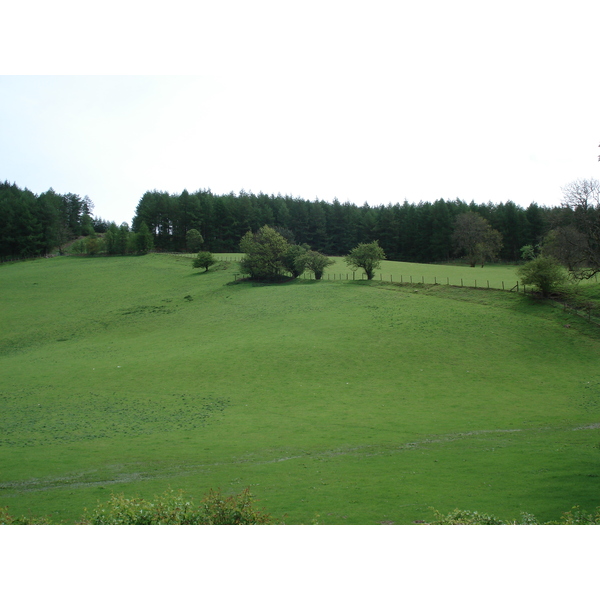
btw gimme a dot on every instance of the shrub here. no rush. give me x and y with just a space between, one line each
465 517
576 516
544 272
172 508
7 519
232 510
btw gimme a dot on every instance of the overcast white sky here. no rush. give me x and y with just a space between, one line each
372 101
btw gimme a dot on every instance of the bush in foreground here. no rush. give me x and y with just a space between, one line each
467 517
172 508
575 516
8 519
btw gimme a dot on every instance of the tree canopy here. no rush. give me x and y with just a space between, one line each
543 272
204 260
475 239
407 232
577 240
315 262
32 225
367 257
264 252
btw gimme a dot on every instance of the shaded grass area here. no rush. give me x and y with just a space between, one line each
358 402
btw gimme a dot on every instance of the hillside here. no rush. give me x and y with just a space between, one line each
357 402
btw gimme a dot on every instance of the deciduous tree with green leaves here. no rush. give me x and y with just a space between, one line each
315 262
204 260
544 272
144 242
367 257
264 252
193 240
475 239
292 259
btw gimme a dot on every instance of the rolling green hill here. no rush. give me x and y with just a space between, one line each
336 401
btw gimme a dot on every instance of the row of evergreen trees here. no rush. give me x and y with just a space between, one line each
407 232
32 225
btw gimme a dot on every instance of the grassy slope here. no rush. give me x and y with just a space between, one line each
359 402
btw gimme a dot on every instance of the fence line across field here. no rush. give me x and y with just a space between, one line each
410 279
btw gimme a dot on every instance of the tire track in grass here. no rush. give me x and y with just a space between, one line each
86 479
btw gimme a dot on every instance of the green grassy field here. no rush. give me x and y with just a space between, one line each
335 401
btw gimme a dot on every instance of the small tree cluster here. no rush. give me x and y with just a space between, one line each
116 240
270 255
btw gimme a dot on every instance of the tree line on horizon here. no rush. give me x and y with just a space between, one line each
32 225
420 232
36 225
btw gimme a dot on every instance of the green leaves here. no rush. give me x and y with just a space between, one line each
475 238
264 251
204 260
194 240
543 272
172 508
315 262
367 257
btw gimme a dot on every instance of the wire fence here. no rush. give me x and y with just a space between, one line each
588 312
24 257
413 280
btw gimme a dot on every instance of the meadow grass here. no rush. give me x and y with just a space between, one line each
336 401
